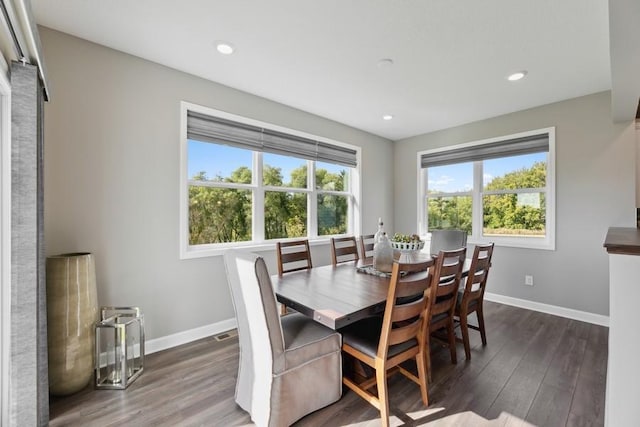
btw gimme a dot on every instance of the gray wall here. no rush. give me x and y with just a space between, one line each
112 177
595 189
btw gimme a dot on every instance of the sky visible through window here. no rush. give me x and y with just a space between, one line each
459 177
222 160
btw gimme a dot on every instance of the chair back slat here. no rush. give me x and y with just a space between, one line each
404 333
411 284
366 245
293 256
407 310
344 249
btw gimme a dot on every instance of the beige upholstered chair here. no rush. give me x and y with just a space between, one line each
447 240
289 366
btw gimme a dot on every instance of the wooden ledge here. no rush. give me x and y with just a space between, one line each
623 241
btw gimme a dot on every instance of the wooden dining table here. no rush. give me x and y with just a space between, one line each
334 296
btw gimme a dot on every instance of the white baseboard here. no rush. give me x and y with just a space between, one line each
163 343
583 316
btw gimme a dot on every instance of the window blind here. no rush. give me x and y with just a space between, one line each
203 127
492 150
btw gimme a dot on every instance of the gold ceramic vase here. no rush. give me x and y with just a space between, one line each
72 312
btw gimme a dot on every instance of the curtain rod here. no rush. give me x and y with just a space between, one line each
25 38
12 33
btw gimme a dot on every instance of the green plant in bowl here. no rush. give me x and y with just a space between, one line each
407 242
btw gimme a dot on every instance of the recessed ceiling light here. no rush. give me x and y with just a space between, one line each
224 48
387 117
517 76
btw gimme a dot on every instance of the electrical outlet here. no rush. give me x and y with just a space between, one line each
528 280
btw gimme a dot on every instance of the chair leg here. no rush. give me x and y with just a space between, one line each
383 398
422 375
464 328
452 342
283 309
427 357
483 334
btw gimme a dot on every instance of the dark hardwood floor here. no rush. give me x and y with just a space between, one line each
537 370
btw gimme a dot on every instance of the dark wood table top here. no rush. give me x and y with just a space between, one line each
333 296
624 241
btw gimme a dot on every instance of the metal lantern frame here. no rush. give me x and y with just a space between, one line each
117 362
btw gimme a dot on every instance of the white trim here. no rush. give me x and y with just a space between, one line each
5 245
174 340
183 191
354 194
185 337
569 313
422 200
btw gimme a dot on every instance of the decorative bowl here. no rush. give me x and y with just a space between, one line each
408 246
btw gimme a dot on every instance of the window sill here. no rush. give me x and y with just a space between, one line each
194 252
538 243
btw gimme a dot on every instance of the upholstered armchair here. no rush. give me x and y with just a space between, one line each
289 366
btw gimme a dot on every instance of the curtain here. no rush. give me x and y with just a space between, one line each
203 127
29 399
492 150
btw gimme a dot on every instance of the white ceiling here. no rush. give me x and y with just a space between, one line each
450 57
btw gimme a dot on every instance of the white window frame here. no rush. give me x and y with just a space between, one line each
546 243
257 188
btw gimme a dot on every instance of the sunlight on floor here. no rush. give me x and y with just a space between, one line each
424 413
428 417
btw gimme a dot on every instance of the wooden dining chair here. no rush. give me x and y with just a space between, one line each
366 246
447 274
383 343
344 249
470 298
447 240
294 255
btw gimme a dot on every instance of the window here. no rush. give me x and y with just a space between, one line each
248 183
499 190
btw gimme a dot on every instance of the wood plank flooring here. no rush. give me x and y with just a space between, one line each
537 370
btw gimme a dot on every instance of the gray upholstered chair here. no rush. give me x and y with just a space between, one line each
447 240
289 366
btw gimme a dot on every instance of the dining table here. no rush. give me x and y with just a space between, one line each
335 296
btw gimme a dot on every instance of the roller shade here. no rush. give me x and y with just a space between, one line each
203 127
506 148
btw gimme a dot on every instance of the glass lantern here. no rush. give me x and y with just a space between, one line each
119 347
